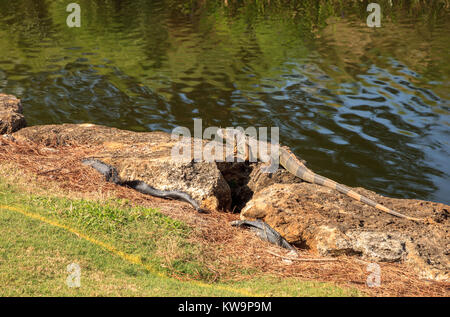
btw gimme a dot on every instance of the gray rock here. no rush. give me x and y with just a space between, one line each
379 246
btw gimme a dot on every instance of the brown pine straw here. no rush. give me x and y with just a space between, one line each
226 251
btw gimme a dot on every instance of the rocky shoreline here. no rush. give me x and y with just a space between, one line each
306 215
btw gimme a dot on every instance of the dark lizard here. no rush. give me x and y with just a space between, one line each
264 232
296 167
112 176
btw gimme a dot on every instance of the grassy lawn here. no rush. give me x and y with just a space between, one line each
121 250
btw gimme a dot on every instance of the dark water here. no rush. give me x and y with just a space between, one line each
366 107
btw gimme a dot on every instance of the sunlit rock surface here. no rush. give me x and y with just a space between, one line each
11 117
330 223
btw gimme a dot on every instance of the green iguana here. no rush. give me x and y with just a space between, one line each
291 163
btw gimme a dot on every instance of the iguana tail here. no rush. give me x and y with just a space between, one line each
291 163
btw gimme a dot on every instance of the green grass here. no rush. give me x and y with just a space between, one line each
34 255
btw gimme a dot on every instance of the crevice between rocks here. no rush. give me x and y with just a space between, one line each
245 179
238 176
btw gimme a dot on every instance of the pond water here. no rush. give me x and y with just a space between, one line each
364 106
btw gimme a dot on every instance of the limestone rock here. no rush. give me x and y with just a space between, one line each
11 117
259 180
379 246
330 223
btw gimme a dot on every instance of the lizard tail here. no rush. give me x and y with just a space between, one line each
296 167
320 180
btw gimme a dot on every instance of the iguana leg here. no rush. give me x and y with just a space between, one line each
270 167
